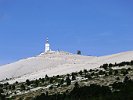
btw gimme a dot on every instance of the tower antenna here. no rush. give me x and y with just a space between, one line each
47 45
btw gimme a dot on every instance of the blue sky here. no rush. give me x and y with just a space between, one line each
96 27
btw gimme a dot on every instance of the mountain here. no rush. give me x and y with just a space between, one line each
56 63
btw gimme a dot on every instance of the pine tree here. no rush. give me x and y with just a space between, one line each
78 52
62 81
76 85
13 87
22 87
126 79
28 82
73 77
46 77
68 81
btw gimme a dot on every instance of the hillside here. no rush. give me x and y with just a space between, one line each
109 82
56 63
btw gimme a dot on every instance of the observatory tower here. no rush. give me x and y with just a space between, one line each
47 45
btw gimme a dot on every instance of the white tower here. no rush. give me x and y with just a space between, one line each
47 45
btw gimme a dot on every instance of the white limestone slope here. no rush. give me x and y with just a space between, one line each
56 63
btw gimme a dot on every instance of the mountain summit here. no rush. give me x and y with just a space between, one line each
56 63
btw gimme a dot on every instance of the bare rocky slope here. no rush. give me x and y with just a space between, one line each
56 63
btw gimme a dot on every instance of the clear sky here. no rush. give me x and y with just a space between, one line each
96 27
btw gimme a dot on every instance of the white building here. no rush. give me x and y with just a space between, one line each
47 46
